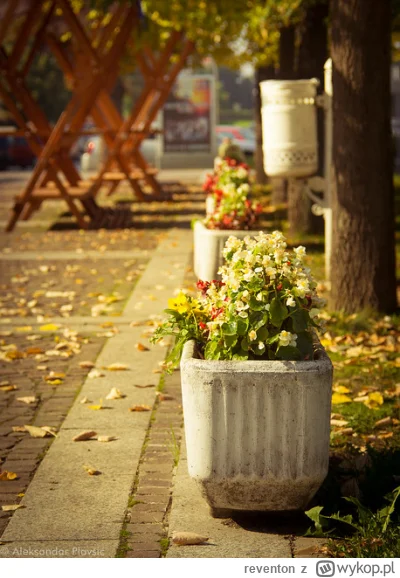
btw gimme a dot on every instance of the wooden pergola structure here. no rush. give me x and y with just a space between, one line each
88 62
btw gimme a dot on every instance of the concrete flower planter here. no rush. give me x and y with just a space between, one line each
208 245
257 432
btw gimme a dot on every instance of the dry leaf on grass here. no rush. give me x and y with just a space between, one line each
115 394
105 439
91 471
49 327
84 436
188 538
140 408
383 422
86 364
28 399
12 507
141 347
340 389
117 367
339 422
340 398
8 476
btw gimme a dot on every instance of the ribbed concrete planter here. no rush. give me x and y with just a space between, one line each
208 245
257 432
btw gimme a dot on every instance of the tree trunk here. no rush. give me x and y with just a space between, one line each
311 56
261 73
363 258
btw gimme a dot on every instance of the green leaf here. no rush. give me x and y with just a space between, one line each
278 312
210 350
300 319
315 516
230 328
173 312
257 319
262 333
240 356
230 341
244 344
288 353
256 305
242 325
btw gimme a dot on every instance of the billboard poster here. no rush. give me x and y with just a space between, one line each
187 123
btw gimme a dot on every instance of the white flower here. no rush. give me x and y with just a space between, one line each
290 302
271 272
240 306
286 338
300 252
260 345
259 296
248 276
252 335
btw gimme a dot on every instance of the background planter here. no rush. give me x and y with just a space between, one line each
208 245
257 432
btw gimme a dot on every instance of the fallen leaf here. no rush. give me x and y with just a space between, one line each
86 364
85 400
8 387
339 422
140 408
141 347
8 476
115 394
49 327
12 507
340 398
49 429
93 373
383 422
384 436
36 432
340 389
84 436
164 396
375 399
55 375
19 428
34 351
144 386
91 471
97 406
54 381
41 367
106 438
117 367
188 538
28 399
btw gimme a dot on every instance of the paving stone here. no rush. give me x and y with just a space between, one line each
146 518
143 554
151 490
150 546
149 508
148 531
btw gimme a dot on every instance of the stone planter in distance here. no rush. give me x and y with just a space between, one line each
257 432
208 245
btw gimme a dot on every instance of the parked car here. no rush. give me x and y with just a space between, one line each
244 137
19 152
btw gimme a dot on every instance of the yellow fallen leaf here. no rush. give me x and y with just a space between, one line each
339 422
12 507
91 471
28 399
340 398
97 407
19 428
84 436
49 327
15 354
34 350
93 373
140 408
54 381
141 347
8 476
49 429
341 389
375 399
85 400
115 394
188 538
24 328
117 367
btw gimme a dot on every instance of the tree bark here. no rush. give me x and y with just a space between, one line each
363 258
261 73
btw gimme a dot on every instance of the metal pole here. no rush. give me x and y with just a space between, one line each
328 167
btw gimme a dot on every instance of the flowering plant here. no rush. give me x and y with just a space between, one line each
229 188
265 307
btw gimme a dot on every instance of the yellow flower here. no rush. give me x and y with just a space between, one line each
179 303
